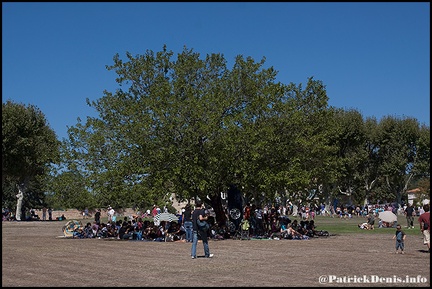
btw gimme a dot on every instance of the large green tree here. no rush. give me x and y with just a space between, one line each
404 155
29 149
348 137
190 126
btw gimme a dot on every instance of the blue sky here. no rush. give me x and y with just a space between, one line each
373 57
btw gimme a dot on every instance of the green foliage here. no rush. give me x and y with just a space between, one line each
29 149
337 226
403 154
190 126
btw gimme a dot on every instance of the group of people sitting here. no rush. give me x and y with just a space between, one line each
295 230
369 224
135 229
145 230
281 228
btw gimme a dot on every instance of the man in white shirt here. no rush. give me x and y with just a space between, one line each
110 213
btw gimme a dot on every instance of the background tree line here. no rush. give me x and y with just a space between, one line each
194 127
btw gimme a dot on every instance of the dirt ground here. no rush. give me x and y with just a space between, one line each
34 254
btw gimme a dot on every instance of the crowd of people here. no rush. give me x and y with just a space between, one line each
257 222
268 222
29 214
135 229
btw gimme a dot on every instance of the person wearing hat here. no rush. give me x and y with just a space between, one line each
110 213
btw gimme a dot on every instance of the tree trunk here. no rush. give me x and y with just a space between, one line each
216 202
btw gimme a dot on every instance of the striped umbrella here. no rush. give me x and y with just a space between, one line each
164 217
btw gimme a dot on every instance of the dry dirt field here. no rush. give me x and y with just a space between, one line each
34 254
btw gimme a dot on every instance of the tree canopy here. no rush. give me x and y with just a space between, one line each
29 149
192 126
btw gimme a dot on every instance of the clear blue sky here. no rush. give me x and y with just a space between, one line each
374 57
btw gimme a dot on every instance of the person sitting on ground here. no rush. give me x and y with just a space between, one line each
103 231
111 230
137 234
88 232
292 233
295 225
275 232
311 229
217 232
283 230
95 228
151 232
125 233
78 233
302 228
174 232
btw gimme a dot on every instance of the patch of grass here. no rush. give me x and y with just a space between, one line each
337 226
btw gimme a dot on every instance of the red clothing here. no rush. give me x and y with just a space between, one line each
154 211
425 218
247 213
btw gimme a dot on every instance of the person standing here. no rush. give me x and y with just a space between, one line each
50 214
371 221
97 216
424 221
199 213
409 214
400 239
154 211
259 221
110 214
187 223
44 212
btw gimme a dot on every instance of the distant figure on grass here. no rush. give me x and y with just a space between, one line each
371 221
400 239
85 213
97 216
50 214
110 214
187 222
44 212
424 221
409 214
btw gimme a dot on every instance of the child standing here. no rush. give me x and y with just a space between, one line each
400 239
